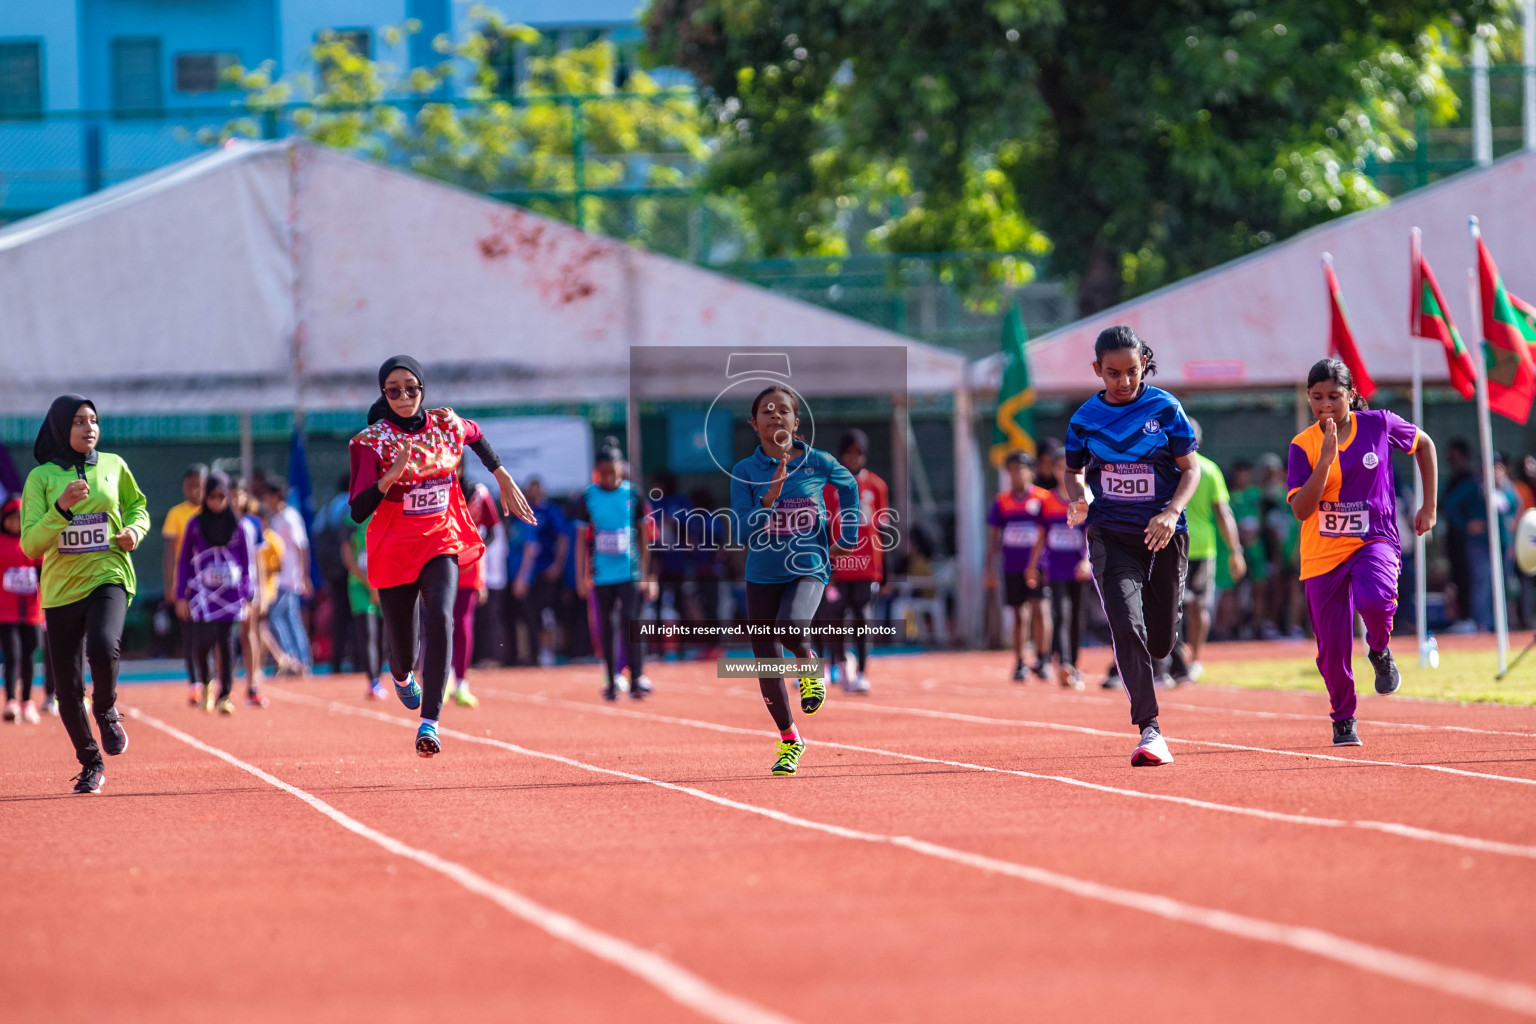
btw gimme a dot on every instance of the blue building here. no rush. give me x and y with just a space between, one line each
96 91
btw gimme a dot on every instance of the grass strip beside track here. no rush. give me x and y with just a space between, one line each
1463 676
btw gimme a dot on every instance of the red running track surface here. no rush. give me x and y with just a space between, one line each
956 847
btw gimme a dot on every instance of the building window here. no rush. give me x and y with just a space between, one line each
21 79
202 72
358 40
136 77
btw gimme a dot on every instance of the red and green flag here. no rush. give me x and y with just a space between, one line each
1341 340
1014 426
1508 334
1430 319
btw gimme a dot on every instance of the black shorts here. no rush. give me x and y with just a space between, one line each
1200 583
1017 592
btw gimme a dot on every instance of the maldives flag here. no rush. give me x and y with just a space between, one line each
1429 319
1341 340
1507 339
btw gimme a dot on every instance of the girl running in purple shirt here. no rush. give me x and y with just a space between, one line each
215 584
1340 486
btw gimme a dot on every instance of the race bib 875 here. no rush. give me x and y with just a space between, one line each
85 533
1343 519
1126 481
428 498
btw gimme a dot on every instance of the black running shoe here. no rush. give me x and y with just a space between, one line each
1042 670
90 779
113 739
1388 678
1344 734
1019 674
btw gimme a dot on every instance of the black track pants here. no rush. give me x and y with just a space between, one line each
793 602
1143 595
436 587
89 629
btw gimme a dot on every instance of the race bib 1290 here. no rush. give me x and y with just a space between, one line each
1343 519
85 533
428 498
1126 481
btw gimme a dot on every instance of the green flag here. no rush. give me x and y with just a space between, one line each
1015 423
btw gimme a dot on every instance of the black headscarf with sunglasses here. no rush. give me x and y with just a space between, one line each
53 445
218 528
381 409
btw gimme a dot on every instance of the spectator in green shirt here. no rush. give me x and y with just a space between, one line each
1208 511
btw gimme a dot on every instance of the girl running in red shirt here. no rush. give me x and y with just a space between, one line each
404 475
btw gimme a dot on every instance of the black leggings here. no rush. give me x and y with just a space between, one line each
855 597
1066 620
437 585
368 639
626 598
222 638
793 602
18 643
90 628
1143 595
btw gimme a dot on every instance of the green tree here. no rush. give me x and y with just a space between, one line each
567 140
1147 139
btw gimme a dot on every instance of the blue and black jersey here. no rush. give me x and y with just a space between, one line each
1130 453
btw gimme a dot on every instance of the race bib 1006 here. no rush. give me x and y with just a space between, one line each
85 533
612 542
428 498
1064 538
1020 534
1343 519
1126 481
20 579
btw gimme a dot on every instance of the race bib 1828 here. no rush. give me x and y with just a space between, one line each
1126 481
85 533
1343 519
428 498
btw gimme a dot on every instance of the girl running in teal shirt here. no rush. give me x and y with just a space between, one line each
776 494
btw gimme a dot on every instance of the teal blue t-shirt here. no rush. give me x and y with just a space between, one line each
790 539
613 516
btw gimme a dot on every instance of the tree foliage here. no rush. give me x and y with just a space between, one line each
568 126
1146 139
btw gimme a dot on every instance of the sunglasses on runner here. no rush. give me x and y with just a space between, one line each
409 391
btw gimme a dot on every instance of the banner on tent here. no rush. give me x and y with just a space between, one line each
556 449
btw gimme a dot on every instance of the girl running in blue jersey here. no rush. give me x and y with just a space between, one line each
776 494
1137 449
617 567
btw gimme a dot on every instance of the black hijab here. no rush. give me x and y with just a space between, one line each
218 528
52 444
381 410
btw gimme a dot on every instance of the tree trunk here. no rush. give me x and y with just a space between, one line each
1101 285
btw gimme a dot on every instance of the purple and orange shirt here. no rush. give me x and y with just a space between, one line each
1020 519
1359 501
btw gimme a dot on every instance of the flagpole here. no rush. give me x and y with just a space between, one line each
1485 434
1420 567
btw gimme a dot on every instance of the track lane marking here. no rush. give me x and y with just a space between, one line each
1455 981
673 981
1387 827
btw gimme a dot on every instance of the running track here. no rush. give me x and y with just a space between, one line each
957 847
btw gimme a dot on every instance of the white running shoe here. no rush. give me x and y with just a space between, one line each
1152 750
51 707
29 713
859 684
1196 670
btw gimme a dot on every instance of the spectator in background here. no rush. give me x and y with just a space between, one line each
571 613
1207 512
171 532
472 592
1466 521
331 528
546 584
522 556
706 540
1246 502
1506 501
1525 487
1282 549
672 556
251 644
293 579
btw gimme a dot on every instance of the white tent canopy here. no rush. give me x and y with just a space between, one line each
274 274
1262 321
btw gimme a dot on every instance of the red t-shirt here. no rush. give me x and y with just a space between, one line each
424 514
19 582
482 509
863 563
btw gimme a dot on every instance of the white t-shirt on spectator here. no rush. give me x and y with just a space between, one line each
289 527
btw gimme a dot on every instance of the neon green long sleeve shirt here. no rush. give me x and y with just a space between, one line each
80 551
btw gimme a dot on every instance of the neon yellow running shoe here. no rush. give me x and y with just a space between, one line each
813 694
463 698
789 757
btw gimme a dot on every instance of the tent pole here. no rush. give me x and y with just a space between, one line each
898 493
1420 569
247 448
1485 434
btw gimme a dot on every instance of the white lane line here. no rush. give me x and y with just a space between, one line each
681 985
1388 827
1454 981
